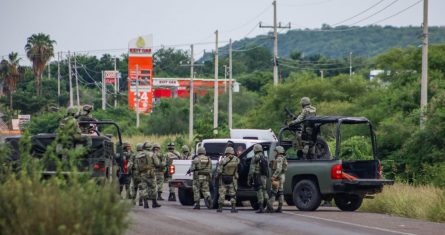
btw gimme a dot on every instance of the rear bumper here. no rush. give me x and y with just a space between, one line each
363 186
181 183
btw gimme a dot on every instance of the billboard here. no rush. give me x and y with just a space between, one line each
110 77
140 74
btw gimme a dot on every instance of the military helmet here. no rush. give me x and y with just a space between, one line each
185 148
171 145
147 145
201 150
139 147
87 108
257 148
156 145
126 144
280 149
229 150
71 111
305 101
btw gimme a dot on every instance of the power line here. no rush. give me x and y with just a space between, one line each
375 13
360 13
398 13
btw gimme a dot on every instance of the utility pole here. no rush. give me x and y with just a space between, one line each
77 80
350 65
49 69
104 96
115 84
58 75
192 62
70 80
226 70
230 84
321 74
215 100
275 42
424 81
136 106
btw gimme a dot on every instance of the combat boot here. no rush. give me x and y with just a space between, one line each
197 206
140 201
260 209
279 210
146 204
155 204
208 202
219 208
172 197
233 210
160 196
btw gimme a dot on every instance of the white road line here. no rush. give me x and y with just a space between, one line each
352 224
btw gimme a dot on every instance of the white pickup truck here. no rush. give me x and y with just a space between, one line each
246 138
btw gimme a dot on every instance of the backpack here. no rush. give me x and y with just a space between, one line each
264 165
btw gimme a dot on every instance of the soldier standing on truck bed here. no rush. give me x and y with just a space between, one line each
279 168
228 174
160 169
186 155
304 136
201 168
172 154
146 164
258 172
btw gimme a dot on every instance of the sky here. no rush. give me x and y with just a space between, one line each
96 27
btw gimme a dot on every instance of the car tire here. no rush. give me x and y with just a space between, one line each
306 195
185 196
348 202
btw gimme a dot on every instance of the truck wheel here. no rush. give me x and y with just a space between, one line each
348 202
306 195
185 196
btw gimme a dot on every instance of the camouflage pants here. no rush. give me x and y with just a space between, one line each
134 185
171 189
261 192
227 190
147 187
201 186
278 191
160 181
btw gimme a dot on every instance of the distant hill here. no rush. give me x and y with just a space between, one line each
337 42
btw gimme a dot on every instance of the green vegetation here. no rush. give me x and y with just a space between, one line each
419 202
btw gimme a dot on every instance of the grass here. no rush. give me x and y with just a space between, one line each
418 202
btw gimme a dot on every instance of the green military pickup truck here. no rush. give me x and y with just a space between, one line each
348 174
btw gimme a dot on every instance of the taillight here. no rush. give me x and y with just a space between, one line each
337 172
171 169
125 166
379 170
100 166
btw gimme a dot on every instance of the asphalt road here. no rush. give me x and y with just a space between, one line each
173 218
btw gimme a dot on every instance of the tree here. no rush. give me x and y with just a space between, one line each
39 49
9 70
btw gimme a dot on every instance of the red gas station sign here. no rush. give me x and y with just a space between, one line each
140 74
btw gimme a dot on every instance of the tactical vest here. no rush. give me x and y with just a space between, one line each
230 167
142 163
204 164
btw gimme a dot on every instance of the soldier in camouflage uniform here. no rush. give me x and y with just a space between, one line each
85 115
227 174
171 155
279 168
127 158
304 136
186 155
135 177
201 168
160 169
146 164
68 134
257 177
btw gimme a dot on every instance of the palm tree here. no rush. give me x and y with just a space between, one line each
9 70
39 49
